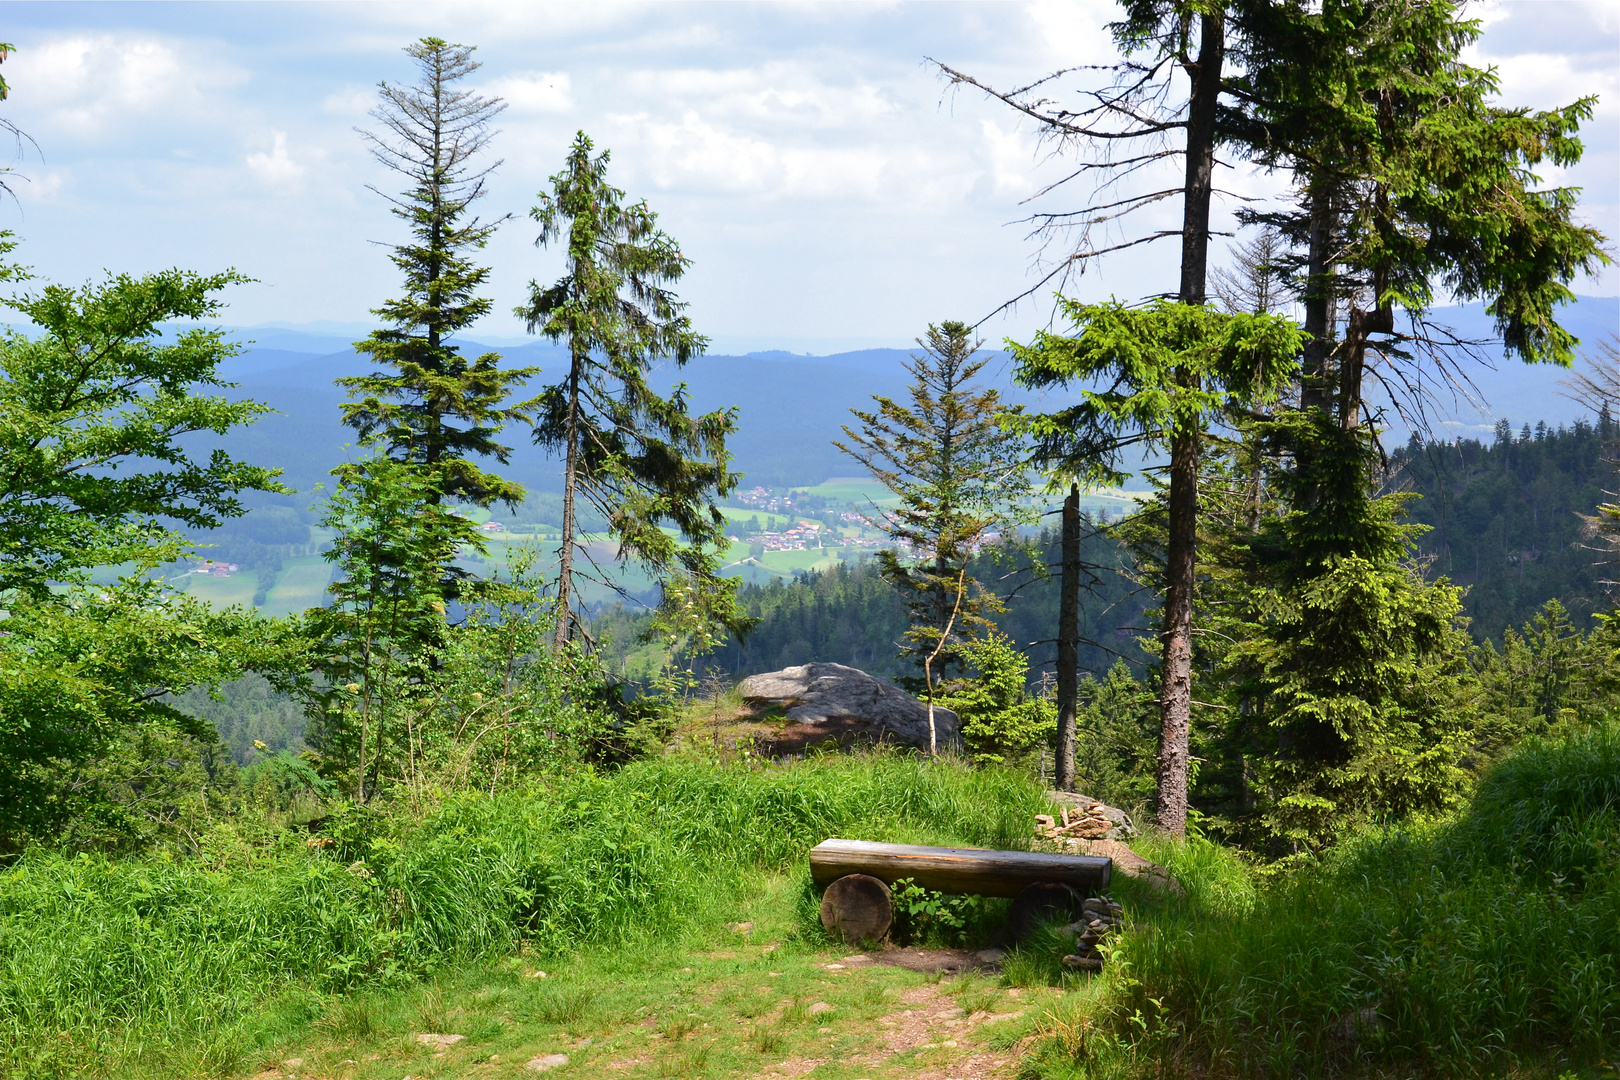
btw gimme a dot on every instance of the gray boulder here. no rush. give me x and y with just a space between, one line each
847 701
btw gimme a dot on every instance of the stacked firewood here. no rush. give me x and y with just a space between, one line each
1099 918
1086 824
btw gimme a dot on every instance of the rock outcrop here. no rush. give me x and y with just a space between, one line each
850 705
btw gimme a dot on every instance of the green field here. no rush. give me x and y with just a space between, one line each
859 490
300 585
222 592
302 582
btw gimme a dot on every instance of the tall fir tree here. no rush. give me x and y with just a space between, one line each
640 459
1129 124
426 419
436 410
959 477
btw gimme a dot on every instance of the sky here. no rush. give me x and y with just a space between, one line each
831 191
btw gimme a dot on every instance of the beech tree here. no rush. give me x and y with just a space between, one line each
92 393
640 459
94 472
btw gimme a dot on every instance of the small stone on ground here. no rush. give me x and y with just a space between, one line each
431 1039
549 1061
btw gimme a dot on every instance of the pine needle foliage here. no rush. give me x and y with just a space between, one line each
959 474
642 461
437 410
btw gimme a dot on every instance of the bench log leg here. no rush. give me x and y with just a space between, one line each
857 908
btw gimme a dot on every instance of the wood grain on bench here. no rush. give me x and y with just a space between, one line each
958 870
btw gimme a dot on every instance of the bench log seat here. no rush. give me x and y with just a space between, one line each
971 871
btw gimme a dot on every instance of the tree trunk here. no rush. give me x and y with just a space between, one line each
1362 325
857 908
1318 302
1205 94
1175 692
1068 642
565 556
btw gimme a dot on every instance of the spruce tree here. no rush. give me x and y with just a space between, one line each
1408 179
958 475
641 460
436 410
1128 124
426 418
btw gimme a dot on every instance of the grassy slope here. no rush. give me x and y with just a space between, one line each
1483 946
301 584
121 967
1488 945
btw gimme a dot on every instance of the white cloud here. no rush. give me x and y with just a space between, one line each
1010 155
277 170
352 102
90 85
698 156
535 91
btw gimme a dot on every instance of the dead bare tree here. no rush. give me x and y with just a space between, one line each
1120 132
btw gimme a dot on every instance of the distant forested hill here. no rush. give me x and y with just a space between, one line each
850 615
1505 517
790 407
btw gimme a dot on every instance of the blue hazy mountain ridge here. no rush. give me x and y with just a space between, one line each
1509 388
788 412
790 406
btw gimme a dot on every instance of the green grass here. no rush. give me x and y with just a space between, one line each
1487 945
166 966
783 563
1482 946
851 489
223 592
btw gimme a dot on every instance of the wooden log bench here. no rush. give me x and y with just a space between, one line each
858 874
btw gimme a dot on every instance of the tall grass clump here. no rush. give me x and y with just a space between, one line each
1484 945
105 963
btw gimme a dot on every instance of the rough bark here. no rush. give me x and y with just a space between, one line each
1068 642
1175 691
1175 695
1317 301
1205 73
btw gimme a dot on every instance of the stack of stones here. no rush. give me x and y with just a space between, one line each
1099 918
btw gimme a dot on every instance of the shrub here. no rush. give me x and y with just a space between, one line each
1001 722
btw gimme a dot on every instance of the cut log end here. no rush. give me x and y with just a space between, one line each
857 908
1044 901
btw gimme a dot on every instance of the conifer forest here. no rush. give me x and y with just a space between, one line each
480 719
